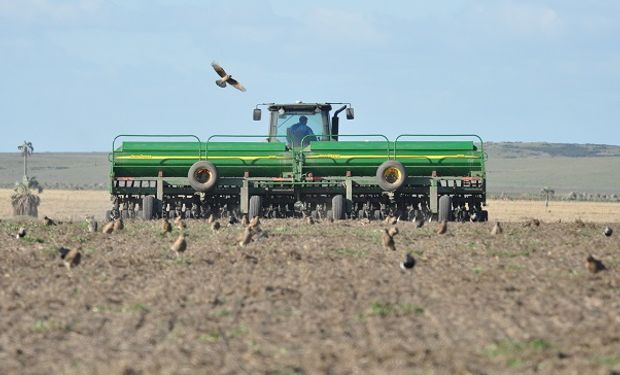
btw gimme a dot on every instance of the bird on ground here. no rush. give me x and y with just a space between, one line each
309 220
211 219
594 265
443 227
70 257
418 221
388 240
393 231
180 245
179 223
48 221
255 222
244 220
21 233
608 231
118 224
580 222
92 224
166 227
391 220
108 228
497 229
246 236
215 226
532 222
232 220
408 263
226 78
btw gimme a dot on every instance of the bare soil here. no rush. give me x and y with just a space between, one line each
325 298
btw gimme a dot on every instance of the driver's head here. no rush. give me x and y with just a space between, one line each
303 119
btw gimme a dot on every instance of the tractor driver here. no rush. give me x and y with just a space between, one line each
296 133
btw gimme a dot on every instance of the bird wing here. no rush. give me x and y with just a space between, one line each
236 84
218 69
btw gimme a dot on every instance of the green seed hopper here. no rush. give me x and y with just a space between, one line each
321 173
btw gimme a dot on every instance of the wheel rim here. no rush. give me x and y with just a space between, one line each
392 174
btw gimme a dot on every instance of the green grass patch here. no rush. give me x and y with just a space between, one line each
393 309
609 361
354 253
515 353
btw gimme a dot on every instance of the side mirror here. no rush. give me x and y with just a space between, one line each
256 114
350 113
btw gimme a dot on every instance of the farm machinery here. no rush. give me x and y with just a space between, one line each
325 174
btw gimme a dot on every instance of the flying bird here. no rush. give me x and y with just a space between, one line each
179 223
21 233
226 78
180 245
391 220
594 265
309 220
70 257
244 220
408 263
388 240
497 229
608 231
443 227
232 220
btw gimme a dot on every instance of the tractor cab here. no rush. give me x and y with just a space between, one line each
301 123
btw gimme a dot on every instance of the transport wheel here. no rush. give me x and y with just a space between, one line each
391 175
338 207
256 206
360 214
377 215
148 207
329 213
202 176
445 207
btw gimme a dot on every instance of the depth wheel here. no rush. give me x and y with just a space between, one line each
256 207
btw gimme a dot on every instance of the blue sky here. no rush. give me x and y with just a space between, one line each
74 73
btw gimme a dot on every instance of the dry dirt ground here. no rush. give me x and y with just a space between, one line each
310 299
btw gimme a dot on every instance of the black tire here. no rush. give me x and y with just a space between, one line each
445 208
391 175
256 206
202 176
339 207
148 207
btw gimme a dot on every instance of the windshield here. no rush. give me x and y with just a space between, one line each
296 127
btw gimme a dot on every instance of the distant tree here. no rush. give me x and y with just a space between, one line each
26 150
547 193
25 200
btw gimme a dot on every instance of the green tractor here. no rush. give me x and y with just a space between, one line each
303 166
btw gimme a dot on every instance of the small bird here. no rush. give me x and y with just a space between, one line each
391 220
48 221
443 227
226 78
179 223
180 245
594 265
418 221
71 257
215 226
211 219
408 263
166 227
532 222
388 240
246 236
118 224
497 229
232 220
309 220
608 231
108 228
92 224
21 233
244 220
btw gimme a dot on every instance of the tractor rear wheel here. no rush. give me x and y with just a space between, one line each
445 207
338 207
391 175
256 206
148 207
